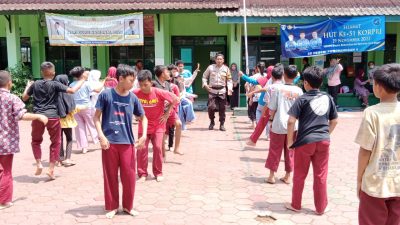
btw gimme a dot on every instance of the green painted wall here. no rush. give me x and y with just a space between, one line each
162 39
3 23
196 24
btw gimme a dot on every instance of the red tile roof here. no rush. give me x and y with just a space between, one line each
105 5
282 8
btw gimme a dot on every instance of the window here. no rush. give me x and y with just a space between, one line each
3 54
64 57
26 51
130 54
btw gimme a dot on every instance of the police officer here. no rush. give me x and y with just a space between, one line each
315 42
290 45
216 80
303 44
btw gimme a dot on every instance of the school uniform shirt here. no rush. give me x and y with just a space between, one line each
314 110
11 111
153 105
282 98
380 133
45 97
82 96
117 114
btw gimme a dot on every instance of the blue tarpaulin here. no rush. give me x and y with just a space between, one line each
337 35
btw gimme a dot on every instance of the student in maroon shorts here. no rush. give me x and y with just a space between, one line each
113 120
45 94
316 112
153 101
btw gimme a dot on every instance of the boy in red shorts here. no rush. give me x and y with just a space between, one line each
153 101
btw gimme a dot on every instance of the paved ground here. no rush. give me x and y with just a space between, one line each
218 181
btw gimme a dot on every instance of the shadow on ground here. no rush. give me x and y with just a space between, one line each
86 211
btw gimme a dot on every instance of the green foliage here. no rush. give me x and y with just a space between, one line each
20 75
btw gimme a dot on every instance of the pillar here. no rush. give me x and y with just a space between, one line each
13 41
37 45
87 56
162 40
235 44
103 61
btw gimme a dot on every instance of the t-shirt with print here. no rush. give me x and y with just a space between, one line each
117 114
314 110
45 97
153 104
380 133
282 98
82 96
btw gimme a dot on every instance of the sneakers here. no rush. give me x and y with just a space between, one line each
142 179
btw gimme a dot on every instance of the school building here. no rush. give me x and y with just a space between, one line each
191 30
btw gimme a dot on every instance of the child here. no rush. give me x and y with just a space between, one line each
82 100
379 157
113 120
162 82
153 100
12 109
45 94
317 117
282 98
66 110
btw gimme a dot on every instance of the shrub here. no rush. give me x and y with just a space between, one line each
20 75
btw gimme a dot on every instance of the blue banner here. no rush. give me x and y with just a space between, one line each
337 35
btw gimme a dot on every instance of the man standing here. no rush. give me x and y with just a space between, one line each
216 79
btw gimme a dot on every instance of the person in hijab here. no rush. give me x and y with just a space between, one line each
66 109
94 79
235 79
111 79
359 87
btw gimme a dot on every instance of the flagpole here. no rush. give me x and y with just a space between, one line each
246 54
245 37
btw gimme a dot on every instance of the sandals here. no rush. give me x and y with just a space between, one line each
289 206
285 180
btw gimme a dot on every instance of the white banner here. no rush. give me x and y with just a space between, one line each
122 30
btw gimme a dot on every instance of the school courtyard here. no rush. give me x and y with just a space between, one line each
219 180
